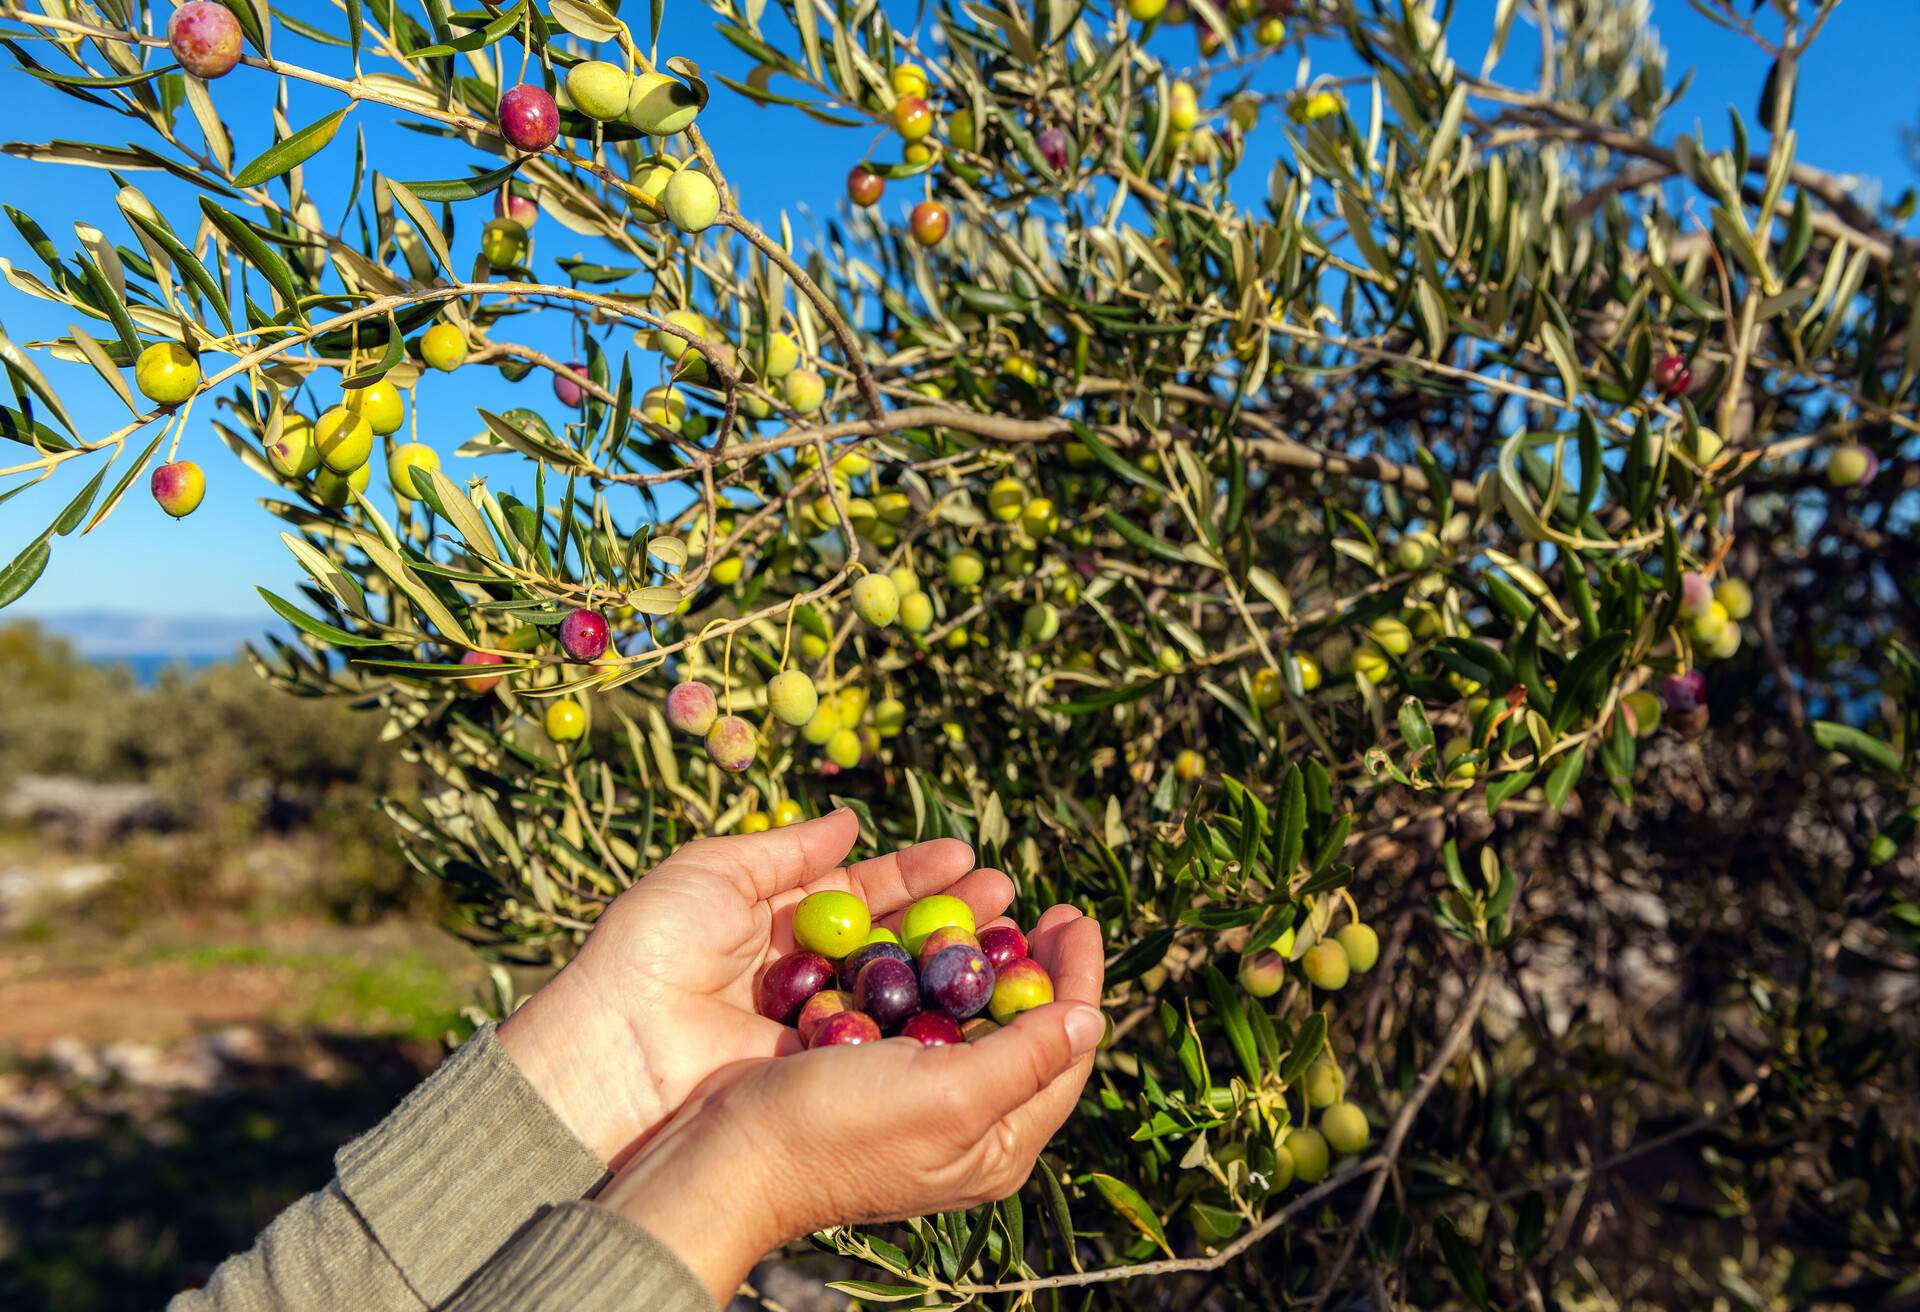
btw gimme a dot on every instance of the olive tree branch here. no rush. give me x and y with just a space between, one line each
1402 1126
1375 1168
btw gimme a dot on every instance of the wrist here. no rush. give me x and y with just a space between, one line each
581 1057
702 1198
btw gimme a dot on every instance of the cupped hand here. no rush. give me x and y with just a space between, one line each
660 997
772 1150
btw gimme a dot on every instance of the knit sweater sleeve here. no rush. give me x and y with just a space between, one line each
579 1257
421 1201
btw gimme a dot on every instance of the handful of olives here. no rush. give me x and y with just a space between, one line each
939 980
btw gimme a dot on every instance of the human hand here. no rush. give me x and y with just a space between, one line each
772 1150
660 996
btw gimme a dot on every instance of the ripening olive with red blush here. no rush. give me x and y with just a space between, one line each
932 1030
789 982
815 1010
948 936
1022 986
929 222
1001 944
484 684
864 186
845 1028
205 37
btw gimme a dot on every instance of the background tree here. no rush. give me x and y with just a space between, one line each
1332 595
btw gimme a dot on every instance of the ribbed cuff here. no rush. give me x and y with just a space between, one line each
581 1257
461 1165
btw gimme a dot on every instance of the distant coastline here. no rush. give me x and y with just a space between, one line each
149 645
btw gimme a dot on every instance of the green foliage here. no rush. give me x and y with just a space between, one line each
228 760
1367 492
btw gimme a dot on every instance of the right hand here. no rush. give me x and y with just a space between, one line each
772 1150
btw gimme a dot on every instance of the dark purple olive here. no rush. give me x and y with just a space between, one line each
1684 692
957 982
887 991
861 957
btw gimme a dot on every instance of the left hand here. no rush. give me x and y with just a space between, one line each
660 997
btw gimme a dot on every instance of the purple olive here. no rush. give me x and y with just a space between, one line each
957 982
529 119
887 991
584 635
1684 692
789 982
1053 148
861 957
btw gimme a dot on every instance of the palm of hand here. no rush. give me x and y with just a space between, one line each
673 962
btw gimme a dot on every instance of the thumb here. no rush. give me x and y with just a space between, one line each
770 862
1014 1065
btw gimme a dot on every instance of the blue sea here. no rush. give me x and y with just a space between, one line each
150 645
147 667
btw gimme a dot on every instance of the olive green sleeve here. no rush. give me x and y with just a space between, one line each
580 1257
420 1202
316 1254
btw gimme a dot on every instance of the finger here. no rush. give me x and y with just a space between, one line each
1071 951
987 892
1057 914
888 883
1009 1068
762 865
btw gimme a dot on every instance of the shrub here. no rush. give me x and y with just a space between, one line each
1444 421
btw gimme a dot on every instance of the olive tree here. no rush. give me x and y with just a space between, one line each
1424 555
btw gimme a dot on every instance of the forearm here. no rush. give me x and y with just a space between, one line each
316 1254
420 1201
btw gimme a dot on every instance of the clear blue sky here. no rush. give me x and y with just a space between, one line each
1857 91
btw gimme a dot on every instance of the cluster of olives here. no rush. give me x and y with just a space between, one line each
1328 963
930 982
912 115
847 726
772 359
1714 612
336 449
1266 18
655 103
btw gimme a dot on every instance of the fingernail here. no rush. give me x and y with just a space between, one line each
1085 1028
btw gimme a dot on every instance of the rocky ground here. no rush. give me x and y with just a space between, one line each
172 1075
